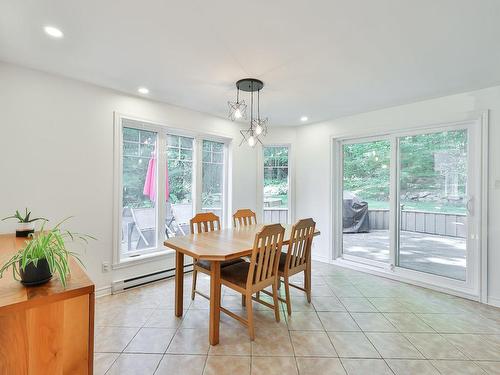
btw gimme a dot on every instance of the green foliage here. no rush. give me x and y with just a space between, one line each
433 171
24 219
47 244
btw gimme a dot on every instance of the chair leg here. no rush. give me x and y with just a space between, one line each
243 300
193 288
276 302
287 294
307 283
251 330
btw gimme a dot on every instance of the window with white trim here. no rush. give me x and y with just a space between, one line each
147 154
276 184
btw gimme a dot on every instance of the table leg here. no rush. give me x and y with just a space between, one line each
214 303
179 282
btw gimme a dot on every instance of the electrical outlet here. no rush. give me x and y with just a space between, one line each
105 267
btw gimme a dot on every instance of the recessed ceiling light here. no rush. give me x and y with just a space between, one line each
53 31
304 118
143 90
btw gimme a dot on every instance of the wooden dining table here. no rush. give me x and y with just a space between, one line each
216 247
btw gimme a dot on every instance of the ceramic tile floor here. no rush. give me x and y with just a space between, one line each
357 324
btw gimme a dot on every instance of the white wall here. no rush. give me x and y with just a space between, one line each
313 172
56 156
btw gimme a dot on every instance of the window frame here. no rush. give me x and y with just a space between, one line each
162 130
474 286
260 181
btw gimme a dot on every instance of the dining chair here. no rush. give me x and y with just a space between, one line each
297 259
200 223
248 278
244 216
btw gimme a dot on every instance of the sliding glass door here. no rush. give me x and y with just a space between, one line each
366 199
407 202
433 174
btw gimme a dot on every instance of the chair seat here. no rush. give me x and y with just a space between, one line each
236 274
206 263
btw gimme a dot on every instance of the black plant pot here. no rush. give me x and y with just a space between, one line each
35 275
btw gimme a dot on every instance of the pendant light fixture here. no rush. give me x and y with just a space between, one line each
237 111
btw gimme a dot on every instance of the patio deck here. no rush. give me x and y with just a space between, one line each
439 255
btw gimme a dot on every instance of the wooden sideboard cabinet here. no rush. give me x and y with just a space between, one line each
45 329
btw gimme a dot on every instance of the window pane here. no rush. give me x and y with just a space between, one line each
180 183
212 178
275 184
139 190
433 196
365 205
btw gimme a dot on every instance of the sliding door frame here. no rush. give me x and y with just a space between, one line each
475 286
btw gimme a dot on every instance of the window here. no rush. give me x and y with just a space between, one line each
150 210
212 192
276 184
410 203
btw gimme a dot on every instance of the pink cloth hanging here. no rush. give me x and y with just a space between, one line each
150 182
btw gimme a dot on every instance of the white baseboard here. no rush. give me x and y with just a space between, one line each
103 291
494 301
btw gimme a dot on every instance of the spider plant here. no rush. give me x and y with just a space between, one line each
23 219
48 245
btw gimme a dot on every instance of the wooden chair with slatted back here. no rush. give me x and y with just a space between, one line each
200 223
297 259
244 216
262 272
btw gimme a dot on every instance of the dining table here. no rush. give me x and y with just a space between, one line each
216 247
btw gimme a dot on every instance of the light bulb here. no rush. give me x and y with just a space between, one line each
258 129
237 114
251 141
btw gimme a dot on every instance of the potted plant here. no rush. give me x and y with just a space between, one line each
44 254
25 224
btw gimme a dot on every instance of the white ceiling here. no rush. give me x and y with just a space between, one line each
323 58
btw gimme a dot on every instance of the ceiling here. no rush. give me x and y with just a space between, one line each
322 59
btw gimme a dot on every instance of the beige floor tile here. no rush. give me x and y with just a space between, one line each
384 304
130 317
321 291
189 341
300 303
373 322
393 345
337 321
357 304
135 364
320 366
492 368
304 321
407 322
103 361
477 347
458 368
163 318
196 319
272 342
346 291
227 365
434 346
327 304
151 340
412 367
113 339
185 364
366 367
353 345
232 341
274 366
312 343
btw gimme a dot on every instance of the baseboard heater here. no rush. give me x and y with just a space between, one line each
123 285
